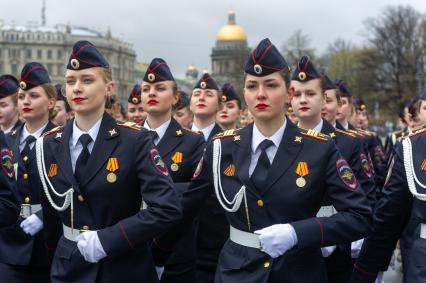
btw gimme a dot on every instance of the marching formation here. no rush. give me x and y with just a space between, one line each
281 183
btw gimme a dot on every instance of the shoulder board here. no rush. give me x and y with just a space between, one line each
366 132
417 132
315 134
397 132
225 134
130 125
346 133
52 131
356 133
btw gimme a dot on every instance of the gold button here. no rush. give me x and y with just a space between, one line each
80 198
85 227
266 264
27 200
25 158
25 176
260 203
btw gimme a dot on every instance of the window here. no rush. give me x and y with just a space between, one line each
49 54
39 54
50 68
59 54
29 53
14 69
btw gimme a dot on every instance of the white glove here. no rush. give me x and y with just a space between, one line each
32 225
159 270
327 251
356 248
90 247
379 278
275 240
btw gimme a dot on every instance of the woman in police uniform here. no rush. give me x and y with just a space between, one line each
229 116
180 149
23 254
399 213
95 173
135 111
274 234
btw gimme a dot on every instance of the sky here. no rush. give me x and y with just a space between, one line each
183 32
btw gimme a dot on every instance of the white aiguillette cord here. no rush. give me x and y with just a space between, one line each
241 194
47 184
409 170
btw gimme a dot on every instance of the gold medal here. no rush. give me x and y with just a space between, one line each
174 167
300 182
111 177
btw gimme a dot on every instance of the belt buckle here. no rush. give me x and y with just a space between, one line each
25 210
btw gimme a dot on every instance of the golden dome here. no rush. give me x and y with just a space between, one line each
191 68
231 31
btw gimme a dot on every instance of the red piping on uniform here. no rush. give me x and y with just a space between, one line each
264 53
125 235
156 66
363 271
322 232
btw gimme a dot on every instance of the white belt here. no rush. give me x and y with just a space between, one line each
28 209
71 234
326 211
423 231
244 238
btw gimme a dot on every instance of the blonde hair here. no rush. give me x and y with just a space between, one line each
50 91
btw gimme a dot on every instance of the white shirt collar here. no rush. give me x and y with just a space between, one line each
206 131
161 130
76 132
8 130
318 127
346 127
258 137
36 134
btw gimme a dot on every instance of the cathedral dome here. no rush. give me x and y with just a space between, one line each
231 31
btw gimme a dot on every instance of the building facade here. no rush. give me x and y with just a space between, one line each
230 54
51 46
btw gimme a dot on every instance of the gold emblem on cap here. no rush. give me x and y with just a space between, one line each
203 84
302 76
75 64
257 69
23 85
151 77
174 167
224 98
111 177
135 100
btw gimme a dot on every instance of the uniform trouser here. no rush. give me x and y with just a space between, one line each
179 273
23 274
206 265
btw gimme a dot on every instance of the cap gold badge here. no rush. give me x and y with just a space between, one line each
257 69
424 165
112 166
302 170
224 98
203 84
135 100
75 64
23 85
302 76
151 77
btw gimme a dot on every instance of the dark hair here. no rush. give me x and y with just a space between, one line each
414 107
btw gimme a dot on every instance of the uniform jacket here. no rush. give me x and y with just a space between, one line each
282 201
397 212
17 247
111 208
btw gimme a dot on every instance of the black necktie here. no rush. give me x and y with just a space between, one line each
154 135
260 173
25 153
82 159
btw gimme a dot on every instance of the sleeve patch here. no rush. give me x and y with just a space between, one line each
365 164
158 162
345 173
6 156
